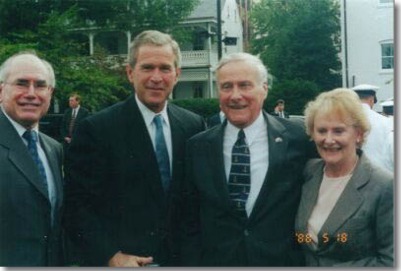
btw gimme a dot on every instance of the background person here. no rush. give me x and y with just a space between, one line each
216 119
279 109
119 195
379 146
72 116
31 189
345 218
244 177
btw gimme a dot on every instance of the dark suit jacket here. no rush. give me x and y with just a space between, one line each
65 123
213 120
115 197
213 232
274 113
364 212
26 235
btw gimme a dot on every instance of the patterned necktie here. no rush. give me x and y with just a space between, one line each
161 153
32 138
72 121
239 182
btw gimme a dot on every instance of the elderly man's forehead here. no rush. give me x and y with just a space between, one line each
27 64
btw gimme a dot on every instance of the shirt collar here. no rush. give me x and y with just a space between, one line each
148 115
250 131
20 129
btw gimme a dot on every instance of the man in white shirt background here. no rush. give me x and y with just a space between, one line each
379 146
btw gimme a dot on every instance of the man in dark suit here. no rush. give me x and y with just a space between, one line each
72 116
126 161
30 166
279 109
241 193
216 119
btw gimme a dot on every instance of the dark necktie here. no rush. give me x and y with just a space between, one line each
162 153
72 122
32 138
239 182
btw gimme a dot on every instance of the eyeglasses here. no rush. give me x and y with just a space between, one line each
24 85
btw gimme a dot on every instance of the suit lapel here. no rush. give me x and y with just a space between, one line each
310 192
177 128
19 155
141 147
216 162
53 160
277 141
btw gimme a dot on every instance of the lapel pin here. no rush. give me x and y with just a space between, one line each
278 139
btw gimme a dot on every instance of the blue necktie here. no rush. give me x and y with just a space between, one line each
32 138
239 182
161 153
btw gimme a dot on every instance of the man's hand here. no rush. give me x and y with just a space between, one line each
67 139
125 260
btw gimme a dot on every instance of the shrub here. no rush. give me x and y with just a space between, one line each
203 107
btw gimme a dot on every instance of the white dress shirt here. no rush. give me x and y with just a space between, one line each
148 116
256 138
75 111
379 146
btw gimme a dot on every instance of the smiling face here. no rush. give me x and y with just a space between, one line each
24 94
154 75
336 140
241 92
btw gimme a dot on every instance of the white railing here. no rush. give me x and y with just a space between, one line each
198 58
193 59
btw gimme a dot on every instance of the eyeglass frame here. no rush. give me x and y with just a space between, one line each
25 84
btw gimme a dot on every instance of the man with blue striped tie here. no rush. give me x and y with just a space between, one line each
244 177
126 161
31 189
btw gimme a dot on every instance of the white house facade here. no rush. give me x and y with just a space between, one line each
367 53
199 58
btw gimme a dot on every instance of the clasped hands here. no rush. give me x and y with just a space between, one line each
125 260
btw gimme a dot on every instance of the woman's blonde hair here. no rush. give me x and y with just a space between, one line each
342 102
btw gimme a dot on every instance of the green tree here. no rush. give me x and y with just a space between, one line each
299 39
296 94
44 26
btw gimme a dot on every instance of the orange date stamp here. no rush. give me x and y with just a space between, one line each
306 238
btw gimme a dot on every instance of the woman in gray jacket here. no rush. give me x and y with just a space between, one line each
345 217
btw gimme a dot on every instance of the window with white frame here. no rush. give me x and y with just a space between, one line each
387 55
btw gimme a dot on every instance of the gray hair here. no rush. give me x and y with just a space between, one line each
245 57
7 64
153 37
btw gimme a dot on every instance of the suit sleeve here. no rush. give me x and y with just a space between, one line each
87 165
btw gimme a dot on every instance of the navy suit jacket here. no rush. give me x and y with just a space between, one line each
213 120
27 237
114 195
213 232
65 123
359 230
